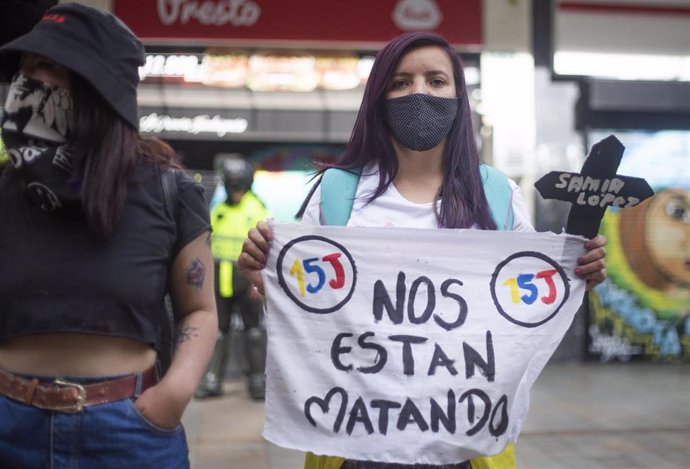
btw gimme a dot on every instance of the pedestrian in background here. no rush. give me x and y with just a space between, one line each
89 247
414 155
231 220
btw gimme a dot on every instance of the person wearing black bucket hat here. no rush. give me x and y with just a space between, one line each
98 223
109 60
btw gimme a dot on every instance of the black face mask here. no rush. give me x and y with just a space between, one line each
419 121
35 125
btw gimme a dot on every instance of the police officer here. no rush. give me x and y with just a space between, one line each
231 220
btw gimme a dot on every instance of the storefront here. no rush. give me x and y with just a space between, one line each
277 82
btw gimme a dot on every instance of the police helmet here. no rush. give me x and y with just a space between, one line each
238 174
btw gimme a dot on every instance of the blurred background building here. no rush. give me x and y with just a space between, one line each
280 82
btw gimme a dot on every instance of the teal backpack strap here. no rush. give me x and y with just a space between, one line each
499 195
338 188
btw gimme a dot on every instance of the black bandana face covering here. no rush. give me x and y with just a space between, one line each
419 121
35 126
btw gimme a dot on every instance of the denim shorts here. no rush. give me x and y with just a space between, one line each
103 436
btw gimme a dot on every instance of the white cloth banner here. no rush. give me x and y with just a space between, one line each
410 345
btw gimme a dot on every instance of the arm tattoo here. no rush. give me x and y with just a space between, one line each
185 333
195 273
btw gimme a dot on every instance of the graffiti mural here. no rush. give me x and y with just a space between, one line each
642 310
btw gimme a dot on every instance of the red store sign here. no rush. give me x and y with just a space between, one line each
289 22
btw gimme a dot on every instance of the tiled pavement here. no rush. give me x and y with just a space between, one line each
582 416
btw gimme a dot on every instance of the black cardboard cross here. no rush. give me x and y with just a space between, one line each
595 188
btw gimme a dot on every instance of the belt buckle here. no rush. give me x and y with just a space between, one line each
81 396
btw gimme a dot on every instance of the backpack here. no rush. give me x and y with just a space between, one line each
338 188
168 180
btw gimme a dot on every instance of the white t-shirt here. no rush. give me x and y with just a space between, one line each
391 209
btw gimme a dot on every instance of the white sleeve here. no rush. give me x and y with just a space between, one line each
312 212
521 218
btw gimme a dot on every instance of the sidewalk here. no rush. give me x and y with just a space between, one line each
582 416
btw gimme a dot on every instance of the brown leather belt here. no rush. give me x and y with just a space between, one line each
71 398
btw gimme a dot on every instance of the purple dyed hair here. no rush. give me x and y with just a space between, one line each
464 203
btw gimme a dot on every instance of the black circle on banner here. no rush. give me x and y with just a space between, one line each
548 260
286 289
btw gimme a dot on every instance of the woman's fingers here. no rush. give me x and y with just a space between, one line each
599 241
595 279
265 229
254 250
255 254
592 265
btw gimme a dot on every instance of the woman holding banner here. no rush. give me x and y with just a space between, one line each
412 162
